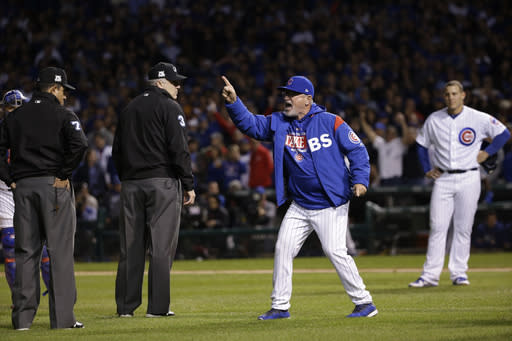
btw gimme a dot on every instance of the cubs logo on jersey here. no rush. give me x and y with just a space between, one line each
353 137
467 136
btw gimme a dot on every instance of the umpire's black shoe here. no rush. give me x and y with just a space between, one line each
167 314
77 325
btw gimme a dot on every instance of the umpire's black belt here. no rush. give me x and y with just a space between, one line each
458 171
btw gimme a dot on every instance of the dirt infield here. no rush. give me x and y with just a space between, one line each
303 271
269 272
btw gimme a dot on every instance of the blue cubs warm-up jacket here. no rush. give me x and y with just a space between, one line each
328 158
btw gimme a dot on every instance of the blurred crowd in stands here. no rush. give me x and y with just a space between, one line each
381 67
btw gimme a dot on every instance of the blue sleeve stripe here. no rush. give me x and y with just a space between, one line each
498 142
423 156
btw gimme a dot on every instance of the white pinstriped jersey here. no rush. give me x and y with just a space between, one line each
6 206
457 140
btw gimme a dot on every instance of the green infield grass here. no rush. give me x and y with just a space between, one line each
221 299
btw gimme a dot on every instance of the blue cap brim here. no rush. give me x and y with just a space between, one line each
289 89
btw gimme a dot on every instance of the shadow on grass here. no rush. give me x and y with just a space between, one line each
413 291
378 291
36 325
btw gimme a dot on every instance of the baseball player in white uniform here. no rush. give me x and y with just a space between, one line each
12 100
309 149
455 133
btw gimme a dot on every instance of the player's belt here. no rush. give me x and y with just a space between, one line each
458 171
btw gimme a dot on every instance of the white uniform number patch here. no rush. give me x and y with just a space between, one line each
76 124
181 120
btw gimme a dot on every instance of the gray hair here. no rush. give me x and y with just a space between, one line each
455 83
153 82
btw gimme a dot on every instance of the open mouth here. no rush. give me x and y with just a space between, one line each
287 106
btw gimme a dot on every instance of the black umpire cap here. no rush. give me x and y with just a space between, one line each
54 75
165 70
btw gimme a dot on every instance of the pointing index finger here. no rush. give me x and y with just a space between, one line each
226 82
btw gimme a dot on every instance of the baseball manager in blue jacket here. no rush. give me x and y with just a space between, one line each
319 164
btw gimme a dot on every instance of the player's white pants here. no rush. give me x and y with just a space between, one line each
330 225
454 197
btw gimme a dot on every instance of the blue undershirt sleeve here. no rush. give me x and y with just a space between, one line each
423 156
498 142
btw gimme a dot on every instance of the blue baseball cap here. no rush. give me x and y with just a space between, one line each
380 125
14 98
299 84
260 189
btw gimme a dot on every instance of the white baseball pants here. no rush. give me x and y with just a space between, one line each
330 225
454 197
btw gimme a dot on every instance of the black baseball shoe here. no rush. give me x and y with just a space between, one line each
77 325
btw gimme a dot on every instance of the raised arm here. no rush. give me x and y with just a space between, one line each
407 137
255 126
366 127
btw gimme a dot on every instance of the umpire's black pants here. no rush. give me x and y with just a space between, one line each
149 220
44 212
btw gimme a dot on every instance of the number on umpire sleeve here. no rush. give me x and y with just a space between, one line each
181 120
76 124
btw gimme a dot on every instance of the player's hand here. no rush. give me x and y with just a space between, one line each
59 183
482 156
228 92
189 198
13 185
359 190
433 173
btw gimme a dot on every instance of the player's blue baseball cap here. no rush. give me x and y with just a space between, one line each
299 84
14 98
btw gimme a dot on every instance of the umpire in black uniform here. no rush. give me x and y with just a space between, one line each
46 143
151 155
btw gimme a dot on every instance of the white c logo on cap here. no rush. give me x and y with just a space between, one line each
58 78
161 73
